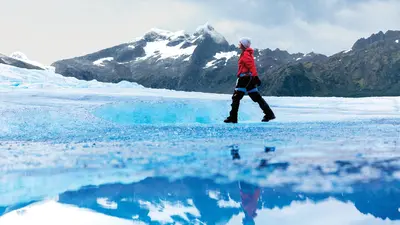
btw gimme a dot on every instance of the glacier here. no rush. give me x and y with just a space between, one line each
122 153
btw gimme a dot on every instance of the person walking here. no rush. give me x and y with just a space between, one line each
247 83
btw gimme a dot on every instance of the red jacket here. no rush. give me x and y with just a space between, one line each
250 202
247 63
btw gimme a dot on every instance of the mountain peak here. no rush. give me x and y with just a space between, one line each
205 28
156 34
208 29
22 57
380 36
159 31
19 55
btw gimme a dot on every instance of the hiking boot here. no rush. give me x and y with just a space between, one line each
230 120
267 118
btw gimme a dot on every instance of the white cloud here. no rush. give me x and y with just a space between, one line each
327 35
298 36
48 30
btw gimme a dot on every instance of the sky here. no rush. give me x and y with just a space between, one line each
51 30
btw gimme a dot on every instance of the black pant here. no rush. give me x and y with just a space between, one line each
249 85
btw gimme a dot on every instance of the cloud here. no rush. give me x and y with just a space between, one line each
48 30
327 26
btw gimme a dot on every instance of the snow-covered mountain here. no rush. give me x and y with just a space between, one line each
158 59
22 57
19 60
204 61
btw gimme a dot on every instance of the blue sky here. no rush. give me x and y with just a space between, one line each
49 30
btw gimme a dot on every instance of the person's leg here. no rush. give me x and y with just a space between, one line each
240 91
256 97
233 114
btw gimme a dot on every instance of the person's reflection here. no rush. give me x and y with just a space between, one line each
249 193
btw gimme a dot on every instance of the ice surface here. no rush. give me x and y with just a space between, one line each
80 137
12 78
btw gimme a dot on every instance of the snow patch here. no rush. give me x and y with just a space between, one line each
101 61
161 50
228 204
219 56
210 64
397 41
164 211
226 55
190 202
168 34
213 195
105 203
162 32
159 47
298 59
347 51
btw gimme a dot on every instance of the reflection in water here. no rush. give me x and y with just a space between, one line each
157 200
250 195
194 200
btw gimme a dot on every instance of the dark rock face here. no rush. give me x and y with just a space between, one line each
204 61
